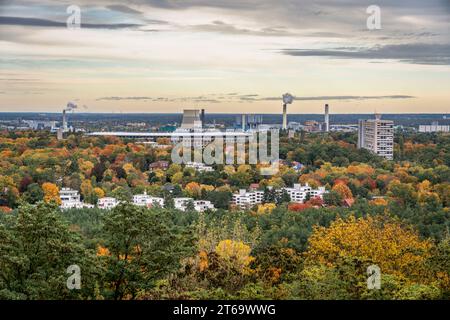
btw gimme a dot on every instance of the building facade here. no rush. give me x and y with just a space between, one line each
107 203
377 135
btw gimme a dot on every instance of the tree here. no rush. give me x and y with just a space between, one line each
236 254
51 193
343 190
381 241
284 197
403 192
98 171
269 196
36 248
220 199
144 246
33 194
193 189
266 208
332 198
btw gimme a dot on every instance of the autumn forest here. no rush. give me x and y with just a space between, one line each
393 214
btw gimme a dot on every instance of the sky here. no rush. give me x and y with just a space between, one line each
226 56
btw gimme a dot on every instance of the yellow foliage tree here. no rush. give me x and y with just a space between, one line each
379 241
51 192
86 188
235 253
177 178
266 208
85 166
99 192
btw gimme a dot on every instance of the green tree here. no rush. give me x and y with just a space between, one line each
144 246
36 248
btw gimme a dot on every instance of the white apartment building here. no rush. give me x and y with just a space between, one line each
145 200
377 136
246 199
434 127
299 193
107 203
199 166
199 205
203 205
71 199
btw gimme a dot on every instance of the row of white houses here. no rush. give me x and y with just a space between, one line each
243 199
71 199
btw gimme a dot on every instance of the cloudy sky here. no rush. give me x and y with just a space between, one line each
225 56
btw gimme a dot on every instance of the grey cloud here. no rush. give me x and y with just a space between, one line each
33 22
226 28
123 8
416 53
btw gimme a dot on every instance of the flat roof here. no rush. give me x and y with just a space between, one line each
173 134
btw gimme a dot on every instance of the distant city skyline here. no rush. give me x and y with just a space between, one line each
226 56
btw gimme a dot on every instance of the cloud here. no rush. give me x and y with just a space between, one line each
34 22
125 98
122 8
227 97
416 53
226 28
344 97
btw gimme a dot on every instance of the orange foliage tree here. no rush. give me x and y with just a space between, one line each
51 192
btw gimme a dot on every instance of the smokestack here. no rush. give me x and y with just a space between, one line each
243 122
327 118
64 121
284 117
287 99
202 118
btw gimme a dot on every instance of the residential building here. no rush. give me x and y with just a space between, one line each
69 195
434 127
145 200
199 166
299 193
71 199
199 205
181 203
162 165
247 199
107 203
377 135
203 205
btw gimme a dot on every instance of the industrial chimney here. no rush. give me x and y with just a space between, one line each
202 117
287 99
327 118
64 121
243 122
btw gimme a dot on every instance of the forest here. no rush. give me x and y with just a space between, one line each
398 219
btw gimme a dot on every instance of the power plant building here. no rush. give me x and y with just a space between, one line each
192 119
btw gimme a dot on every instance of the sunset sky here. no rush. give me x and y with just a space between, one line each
225 56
